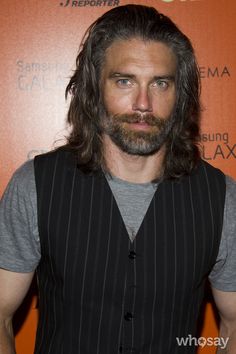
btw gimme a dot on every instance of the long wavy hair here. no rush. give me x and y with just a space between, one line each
123 23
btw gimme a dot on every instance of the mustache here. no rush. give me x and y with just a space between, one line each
147 118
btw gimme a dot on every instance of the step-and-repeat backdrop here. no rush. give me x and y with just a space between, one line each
39 42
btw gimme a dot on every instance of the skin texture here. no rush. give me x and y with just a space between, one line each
137 79
14 287
139 76
226 304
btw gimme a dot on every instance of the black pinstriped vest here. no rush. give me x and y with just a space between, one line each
102 294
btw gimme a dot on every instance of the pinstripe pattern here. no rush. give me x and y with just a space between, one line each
100 293
53 313
185 262
121 319
75 264
85 263
134 295
154 279
68 230
104 280
164 217
175 266
97 252
144 290
211 211
193 221
51 266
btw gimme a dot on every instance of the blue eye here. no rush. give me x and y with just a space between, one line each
161 84
124 82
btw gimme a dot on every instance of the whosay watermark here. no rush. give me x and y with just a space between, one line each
189 341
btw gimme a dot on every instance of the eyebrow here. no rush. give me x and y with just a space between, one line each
120 74
113 75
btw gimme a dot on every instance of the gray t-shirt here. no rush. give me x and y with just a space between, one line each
133 200
19 238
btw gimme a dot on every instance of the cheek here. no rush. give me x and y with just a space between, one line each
163 106
117 104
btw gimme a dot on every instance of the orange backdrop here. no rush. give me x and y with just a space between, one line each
39 42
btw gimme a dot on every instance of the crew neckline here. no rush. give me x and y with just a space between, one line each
119 180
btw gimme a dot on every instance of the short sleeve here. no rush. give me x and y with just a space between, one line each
223 274
19 241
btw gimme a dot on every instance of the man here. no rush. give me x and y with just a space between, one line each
130 220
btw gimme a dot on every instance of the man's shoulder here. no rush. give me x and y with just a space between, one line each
208 174
231 198
23 177
231 186
210 168
20 193
62 153
54 154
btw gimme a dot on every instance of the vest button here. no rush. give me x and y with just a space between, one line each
128 316
132 255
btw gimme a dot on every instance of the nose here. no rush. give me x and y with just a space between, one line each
142 101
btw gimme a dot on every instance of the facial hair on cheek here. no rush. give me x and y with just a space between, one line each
137 142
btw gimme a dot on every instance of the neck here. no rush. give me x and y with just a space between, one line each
132 168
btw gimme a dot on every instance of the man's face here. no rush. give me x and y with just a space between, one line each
138 88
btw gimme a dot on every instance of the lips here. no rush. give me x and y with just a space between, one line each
149 120
140 125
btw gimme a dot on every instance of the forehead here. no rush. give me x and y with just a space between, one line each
137 54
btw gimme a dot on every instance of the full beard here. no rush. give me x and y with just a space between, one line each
137 142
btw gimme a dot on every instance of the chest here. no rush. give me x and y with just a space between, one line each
84 238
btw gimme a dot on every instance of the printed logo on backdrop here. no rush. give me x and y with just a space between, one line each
41 76
99 3
214 72
217 145
89 3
